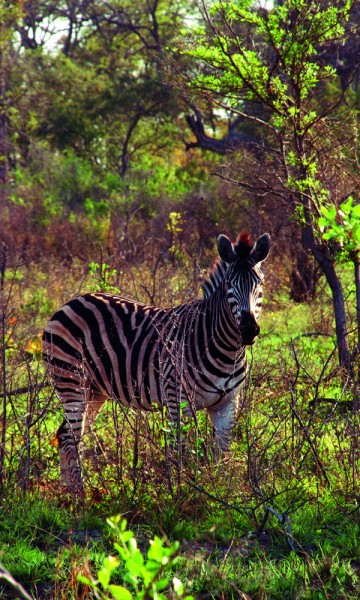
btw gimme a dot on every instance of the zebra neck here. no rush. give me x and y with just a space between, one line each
221 317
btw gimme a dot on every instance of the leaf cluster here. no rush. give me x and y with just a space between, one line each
145 575
342 225
268 56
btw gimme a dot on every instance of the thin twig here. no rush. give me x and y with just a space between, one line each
6 576
24 390
284 522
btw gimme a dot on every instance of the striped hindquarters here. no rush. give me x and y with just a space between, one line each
106 342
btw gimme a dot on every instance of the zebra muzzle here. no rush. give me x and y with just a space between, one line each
249 328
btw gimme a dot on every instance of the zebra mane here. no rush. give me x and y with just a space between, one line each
243 246
215 277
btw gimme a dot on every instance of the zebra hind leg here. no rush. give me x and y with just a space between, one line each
73 398
68 438
80 414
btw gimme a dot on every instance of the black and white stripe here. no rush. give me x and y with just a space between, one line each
100 346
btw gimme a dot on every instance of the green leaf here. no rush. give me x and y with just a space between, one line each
152 565
131 578
104 575
126 536
156 550
161 584
329 212
120 593
85 580
135 564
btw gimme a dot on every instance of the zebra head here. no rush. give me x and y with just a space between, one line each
244 280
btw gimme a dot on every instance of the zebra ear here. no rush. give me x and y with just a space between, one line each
261 248
225 249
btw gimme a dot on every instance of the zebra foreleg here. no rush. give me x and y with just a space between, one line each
178 416
223 419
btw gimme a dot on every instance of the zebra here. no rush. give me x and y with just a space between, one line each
184 358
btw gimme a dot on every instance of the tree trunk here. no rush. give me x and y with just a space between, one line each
3 128
326 264
340 318
357 349
357 288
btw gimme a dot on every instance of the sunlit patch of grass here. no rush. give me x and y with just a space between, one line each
26 563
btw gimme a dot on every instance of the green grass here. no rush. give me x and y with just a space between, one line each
44 548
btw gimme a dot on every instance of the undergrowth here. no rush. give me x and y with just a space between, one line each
277 518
